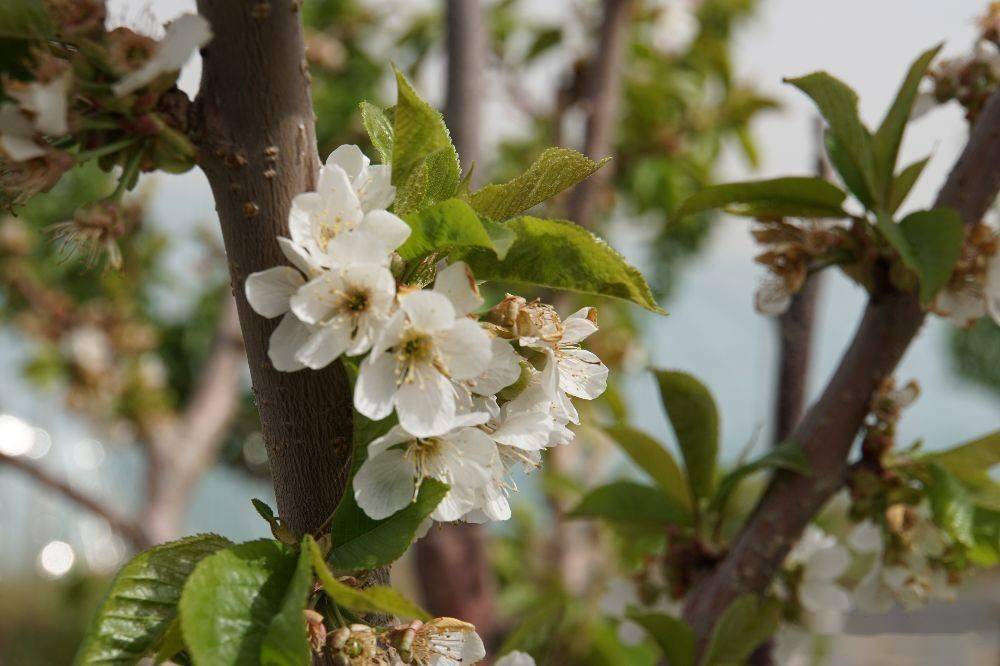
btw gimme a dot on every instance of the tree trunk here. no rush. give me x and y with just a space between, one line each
258 149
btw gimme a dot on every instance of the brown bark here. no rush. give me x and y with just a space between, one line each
601 98
826 434
466 46
184 450
258 149
124 526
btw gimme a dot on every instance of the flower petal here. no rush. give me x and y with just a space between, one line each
324 346
374 187
317 299
579 326
376 387
286 340
581 373
341 210
183 35
349 158
465 349
269 292
355 248
504 369
425 403
428 311
528 430
389 229
818 596
384 484
297 255
458 284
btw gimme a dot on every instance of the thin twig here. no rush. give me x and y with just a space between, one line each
126 527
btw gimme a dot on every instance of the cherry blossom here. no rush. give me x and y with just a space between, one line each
821 561
184 35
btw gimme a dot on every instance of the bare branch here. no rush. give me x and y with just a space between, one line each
827 432
604 83
124 526
466 45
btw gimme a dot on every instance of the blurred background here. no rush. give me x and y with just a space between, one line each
128 390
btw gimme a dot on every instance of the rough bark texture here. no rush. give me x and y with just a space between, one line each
187 448
603 91
455 575
795 331
258 149
890 322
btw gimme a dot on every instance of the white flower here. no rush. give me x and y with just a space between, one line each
865 537
184 35
445 641
516 658
963 304
40 109
90 349
334 210
269 293
504 369
372 183
674 27
822 561
581 373
17 135
424 347
349 307
398 462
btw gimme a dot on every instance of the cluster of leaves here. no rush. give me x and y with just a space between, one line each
233 604
923 247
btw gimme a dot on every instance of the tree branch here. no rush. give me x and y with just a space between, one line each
466 45
124 526
185 450
826 434
258 148
603 90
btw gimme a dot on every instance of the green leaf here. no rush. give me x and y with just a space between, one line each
142 602
502 236
889 135
555 170
904 182
951 504
986 530
631 503
674 638
231 599
371 600
379 129
562 255
839 106
747 623
929 242
418 131
695 420
360 542
286 642
787 455
779 197
849 173
435 179
443 227
654 459
971 463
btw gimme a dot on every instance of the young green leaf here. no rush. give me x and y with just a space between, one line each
779 197
418 131
674 638
986 530
630 502
787 455
562 255
904 182
377 599
361 543
889 135
444 227
286 642
435 179
951 504
971 463
555 170
839 106
747 623
379 129
141 605
231 599
849 173
655 460
695 420
929 242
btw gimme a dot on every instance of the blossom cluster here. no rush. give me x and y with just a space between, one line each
476 397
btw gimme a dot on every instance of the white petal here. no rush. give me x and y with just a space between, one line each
817 596
455 504
286 340
529 431
389 336
865 537
428 311
516 658
318 299
323 347
963 306
465 349
828 563
376 387
268 292
385 226
349 158
425 403
340 210
304 206
46 103
581 373
578 326
396 435
773 297
374 187
494 503
477 455
297 255
825 622
20 149
504 369
183 36
458 284
384 484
